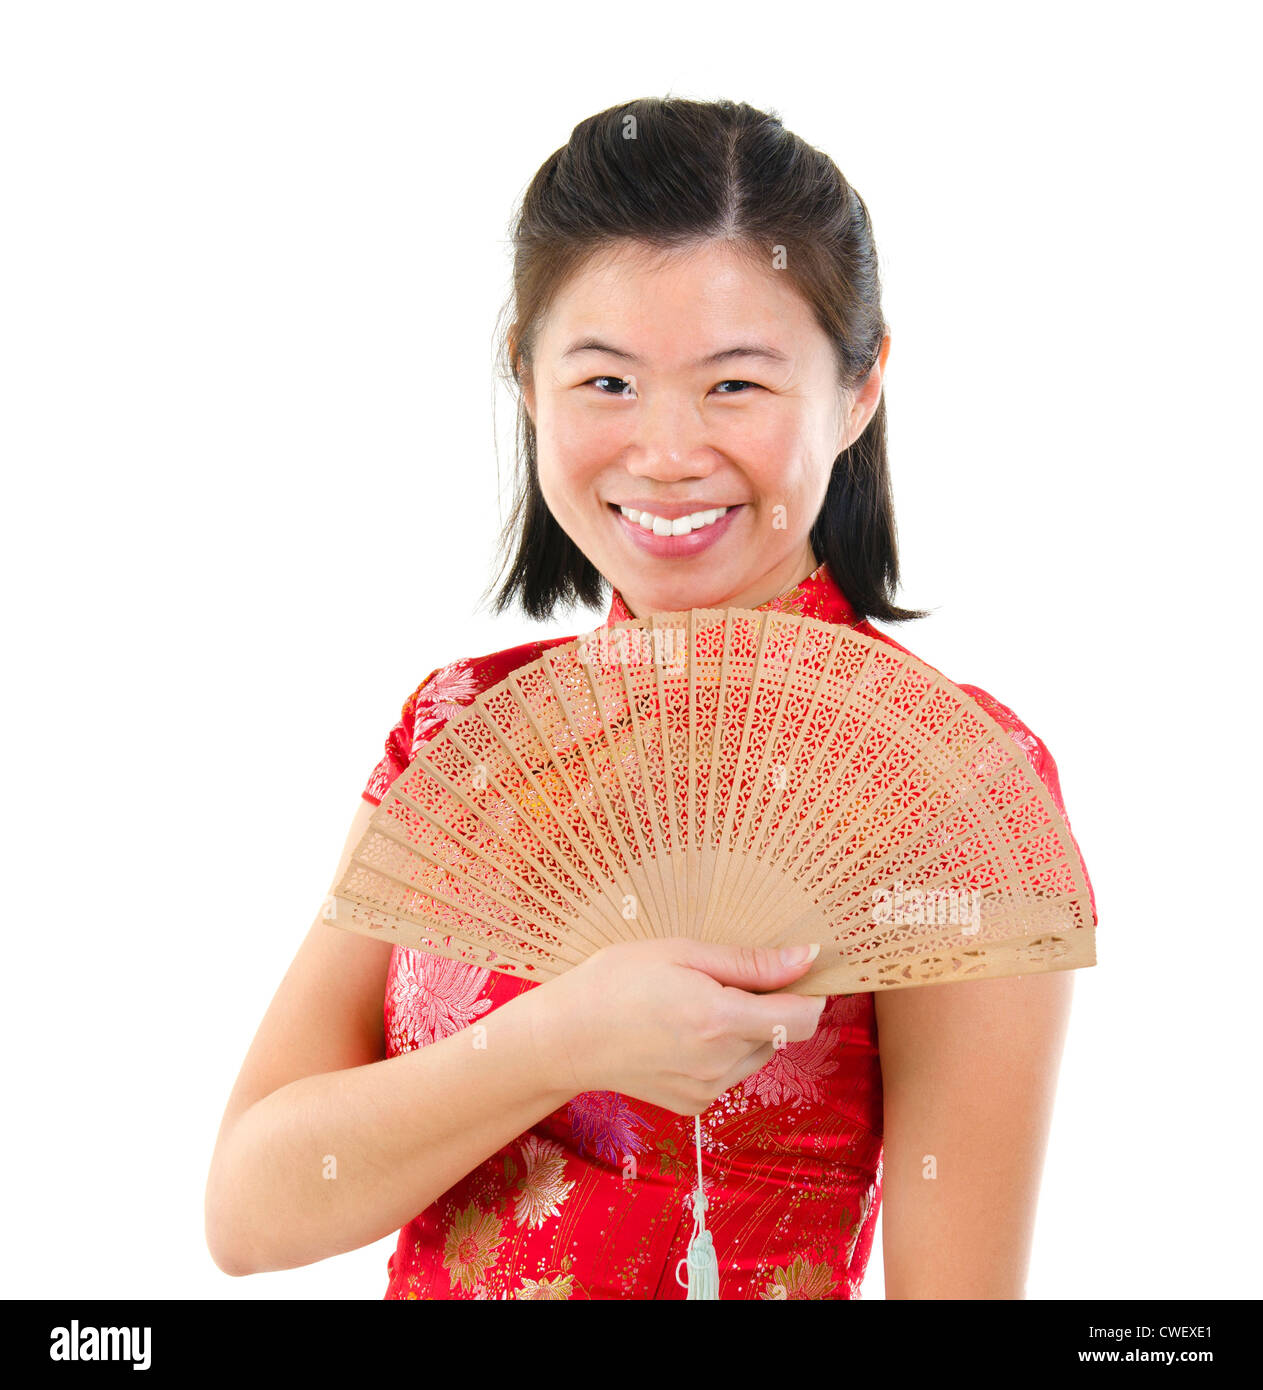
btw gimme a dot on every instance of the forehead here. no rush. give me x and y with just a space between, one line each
683 297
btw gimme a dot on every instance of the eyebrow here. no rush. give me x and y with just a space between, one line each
771 354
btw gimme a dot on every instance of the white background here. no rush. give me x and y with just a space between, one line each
252 259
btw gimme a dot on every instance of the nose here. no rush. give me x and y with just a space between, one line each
669 440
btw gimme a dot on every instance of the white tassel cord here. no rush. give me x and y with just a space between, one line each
702 1262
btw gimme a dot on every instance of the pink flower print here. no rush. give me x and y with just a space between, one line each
447 693
795 1073
842 1010
430 997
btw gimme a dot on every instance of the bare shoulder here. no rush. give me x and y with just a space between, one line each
962 1023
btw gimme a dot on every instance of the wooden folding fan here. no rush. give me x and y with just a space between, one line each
734 775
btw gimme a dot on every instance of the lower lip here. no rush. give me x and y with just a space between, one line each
676 547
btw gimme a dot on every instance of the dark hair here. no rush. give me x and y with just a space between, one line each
698 170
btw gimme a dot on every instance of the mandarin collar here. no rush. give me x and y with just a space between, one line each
817 596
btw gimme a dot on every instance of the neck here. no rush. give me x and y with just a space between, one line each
767 587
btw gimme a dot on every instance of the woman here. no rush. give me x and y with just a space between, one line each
699 345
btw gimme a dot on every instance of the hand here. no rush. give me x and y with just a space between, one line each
673 1022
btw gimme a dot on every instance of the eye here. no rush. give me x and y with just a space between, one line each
620 387
753 384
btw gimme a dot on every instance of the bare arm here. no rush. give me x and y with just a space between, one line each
969 1074
317 1096
671 1021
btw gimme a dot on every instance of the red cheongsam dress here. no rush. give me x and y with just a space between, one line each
594 1200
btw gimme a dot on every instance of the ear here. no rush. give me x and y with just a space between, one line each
866 399
523 375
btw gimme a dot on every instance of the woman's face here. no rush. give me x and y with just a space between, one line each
676 384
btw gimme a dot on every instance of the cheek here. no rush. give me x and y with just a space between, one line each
573 441
776 456
591 436
569 464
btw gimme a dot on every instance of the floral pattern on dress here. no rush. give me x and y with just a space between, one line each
431 997
547 1290
542 1187
470 1248
800 1280
795 1073
605 1125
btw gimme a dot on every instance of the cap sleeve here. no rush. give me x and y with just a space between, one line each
1039 757
398 748
441 696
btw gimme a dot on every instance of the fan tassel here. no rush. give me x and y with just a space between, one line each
701 1260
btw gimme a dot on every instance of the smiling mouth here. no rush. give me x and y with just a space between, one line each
673 526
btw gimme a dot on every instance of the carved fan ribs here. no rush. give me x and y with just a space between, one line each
788 779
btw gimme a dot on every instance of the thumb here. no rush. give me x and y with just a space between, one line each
748 967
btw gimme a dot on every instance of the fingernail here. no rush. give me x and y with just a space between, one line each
799 955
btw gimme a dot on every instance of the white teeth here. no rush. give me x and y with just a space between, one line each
681 526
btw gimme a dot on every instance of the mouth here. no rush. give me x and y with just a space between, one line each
691 528
673 520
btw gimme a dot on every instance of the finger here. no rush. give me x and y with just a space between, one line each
760 1018
748 1065
746 967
